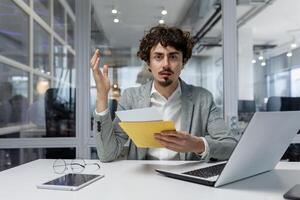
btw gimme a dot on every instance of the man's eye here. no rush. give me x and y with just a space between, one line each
157 57
173 57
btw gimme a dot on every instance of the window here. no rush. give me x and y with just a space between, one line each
268 56
14 32
14 101
41 49
42 9
59 19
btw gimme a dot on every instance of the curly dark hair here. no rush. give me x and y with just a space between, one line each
166 36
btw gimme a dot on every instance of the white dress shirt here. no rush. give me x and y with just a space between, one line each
170 110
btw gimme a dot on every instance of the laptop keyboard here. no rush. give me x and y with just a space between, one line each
207 171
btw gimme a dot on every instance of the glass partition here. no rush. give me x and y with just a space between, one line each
14 32
269 64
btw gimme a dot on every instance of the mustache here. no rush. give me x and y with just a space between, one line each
166 70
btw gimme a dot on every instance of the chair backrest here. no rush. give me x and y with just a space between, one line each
60 112
283 103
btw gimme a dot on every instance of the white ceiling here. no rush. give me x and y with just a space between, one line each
276 24
136 16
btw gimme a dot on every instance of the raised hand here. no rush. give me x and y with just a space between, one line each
102 82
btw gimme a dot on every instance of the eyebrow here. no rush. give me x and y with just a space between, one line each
172 53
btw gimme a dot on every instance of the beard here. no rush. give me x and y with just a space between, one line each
167 82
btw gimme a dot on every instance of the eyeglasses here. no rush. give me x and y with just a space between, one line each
77 166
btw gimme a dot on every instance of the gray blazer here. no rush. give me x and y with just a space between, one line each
201 118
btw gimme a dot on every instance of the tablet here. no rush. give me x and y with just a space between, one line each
70 182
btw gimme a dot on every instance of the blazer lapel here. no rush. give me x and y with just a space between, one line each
187 107
144 97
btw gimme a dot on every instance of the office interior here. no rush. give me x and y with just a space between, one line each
249 60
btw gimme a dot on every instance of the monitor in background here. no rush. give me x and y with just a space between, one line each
246 109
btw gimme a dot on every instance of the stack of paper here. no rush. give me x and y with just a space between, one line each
141 124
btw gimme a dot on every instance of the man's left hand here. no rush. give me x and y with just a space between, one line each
180 141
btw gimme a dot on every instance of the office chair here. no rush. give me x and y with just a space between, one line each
60 119
286 104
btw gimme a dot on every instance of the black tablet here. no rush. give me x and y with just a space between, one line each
70 181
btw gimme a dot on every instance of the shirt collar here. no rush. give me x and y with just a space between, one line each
176 94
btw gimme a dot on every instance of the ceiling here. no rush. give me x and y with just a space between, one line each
273 22
135 16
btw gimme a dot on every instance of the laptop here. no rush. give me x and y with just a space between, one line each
263 143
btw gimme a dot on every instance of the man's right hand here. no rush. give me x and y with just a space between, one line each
102 82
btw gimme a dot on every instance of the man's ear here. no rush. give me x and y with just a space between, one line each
148 67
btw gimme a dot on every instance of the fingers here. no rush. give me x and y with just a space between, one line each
169 139
174 134
171 146
105 70
96 71
95 56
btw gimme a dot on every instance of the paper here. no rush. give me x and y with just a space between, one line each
141 114
141 124
142 133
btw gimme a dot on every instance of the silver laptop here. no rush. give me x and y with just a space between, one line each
263 143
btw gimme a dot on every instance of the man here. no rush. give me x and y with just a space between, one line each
201 132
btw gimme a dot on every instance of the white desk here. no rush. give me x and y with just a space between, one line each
137 180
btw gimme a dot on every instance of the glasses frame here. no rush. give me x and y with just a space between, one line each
72 165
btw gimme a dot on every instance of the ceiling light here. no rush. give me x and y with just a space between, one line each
289 54
253 61
260 58
116 20
114 11
263 63
293 45
161 21
164 12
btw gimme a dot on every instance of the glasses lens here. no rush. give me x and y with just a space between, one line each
59 166
77 165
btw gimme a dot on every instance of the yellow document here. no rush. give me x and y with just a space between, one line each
142 133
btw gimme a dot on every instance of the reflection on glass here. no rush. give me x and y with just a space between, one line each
60 112
42 9
14 32
13 157
71 78
36 111
72 5
59 19
59 60
70 31
14 96
41 49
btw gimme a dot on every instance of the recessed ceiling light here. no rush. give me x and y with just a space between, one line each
293 45
289 54
260 58
263 63
114 11
161 21
116 20
164 12
253 61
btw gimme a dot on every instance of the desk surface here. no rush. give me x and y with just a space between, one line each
138 180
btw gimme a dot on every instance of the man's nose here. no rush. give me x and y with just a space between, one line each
165 62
